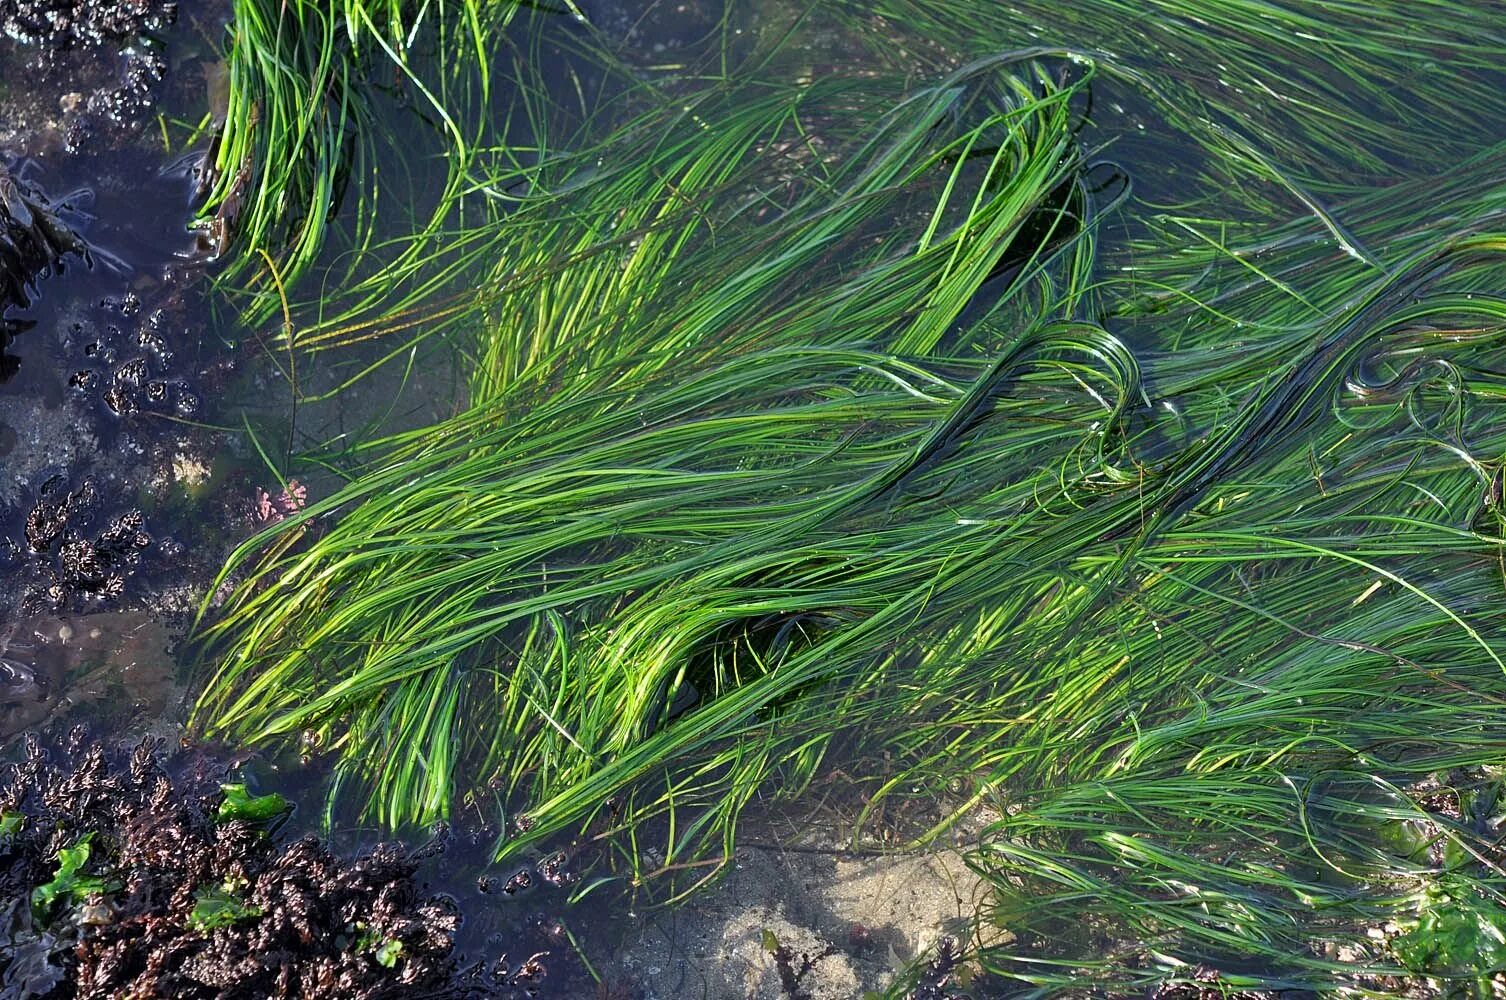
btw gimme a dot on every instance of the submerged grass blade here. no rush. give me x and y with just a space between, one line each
300 123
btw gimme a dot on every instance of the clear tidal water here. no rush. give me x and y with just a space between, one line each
132 385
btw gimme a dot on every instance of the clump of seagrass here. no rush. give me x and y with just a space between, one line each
116 880
283 161
1179 545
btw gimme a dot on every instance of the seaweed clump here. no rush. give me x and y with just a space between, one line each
116 880
91 561
33 243
33 240
942 974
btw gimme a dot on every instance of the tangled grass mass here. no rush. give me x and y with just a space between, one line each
1076 424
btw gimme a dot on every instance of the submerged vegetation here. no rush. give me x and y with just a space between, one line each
300 127
1100 441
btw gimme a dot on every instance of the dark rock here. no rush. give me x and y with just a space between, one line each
290 919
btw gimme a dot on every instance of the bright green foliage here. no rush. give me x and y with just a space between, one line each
876 417
388 952
10 823
384 951
302 126
1458 935
668 458
219 907
70 884
240 804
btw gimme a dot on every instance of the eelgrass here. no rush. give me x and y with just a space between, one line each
302 121
814 416
650 497
1328 92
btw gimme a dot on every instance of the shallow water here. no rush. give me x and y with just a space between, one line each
136 380
115 662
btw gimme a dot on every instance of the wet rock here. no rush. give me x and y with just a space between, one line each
91 469
63 25
35 441
176 898
104 58
129 360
